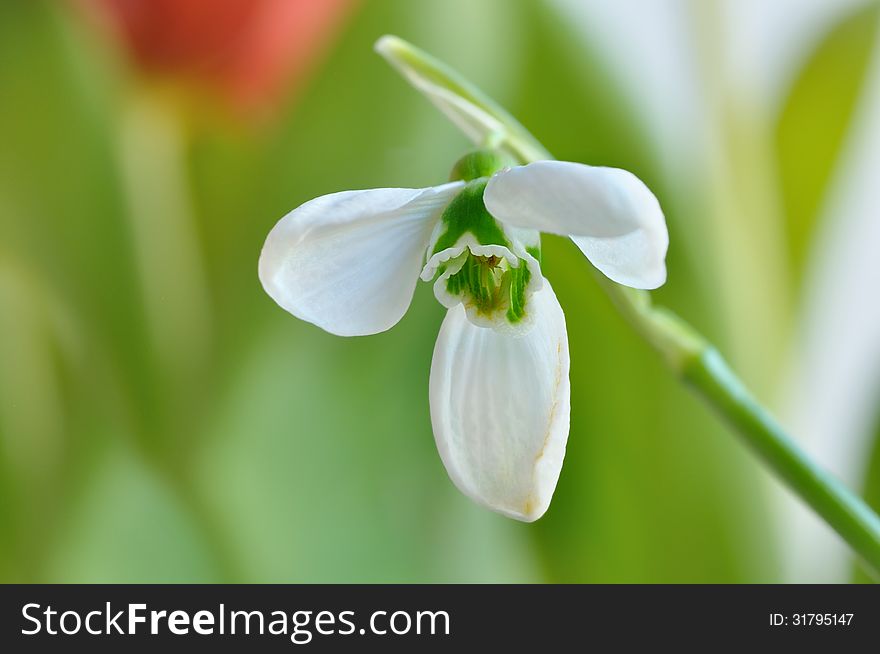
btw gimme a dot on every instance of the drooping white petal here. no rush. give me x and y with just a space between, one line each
610 214
348 262
500 408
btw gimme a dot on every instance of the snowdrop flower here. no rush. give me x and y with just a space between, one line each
499 390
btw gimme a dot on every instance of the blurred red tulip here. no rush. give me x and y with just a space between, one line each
246 49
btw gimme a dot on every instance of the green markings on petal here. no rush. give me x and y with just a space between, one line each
483 279
487 276
467 214
490 288
519 281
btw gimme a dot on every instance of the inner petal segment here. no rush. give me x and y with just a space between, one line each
490 269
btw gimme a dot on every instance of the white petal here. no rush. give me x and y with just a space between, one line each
610 214
349 262
500 408
635 260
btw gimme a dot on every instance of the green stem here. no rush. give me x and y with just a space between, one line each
699 365
691 357
844 511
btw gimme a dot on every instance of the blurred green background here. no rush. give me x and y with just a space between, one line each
162 420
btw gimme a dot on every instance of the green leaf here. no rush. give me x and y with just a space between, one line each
129 525
816 119
871 493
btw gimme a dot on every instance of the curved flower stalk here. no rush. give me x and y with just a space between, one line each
499 391
688 355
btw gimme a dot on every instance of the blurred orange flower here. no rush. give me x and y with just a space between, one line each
248 50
